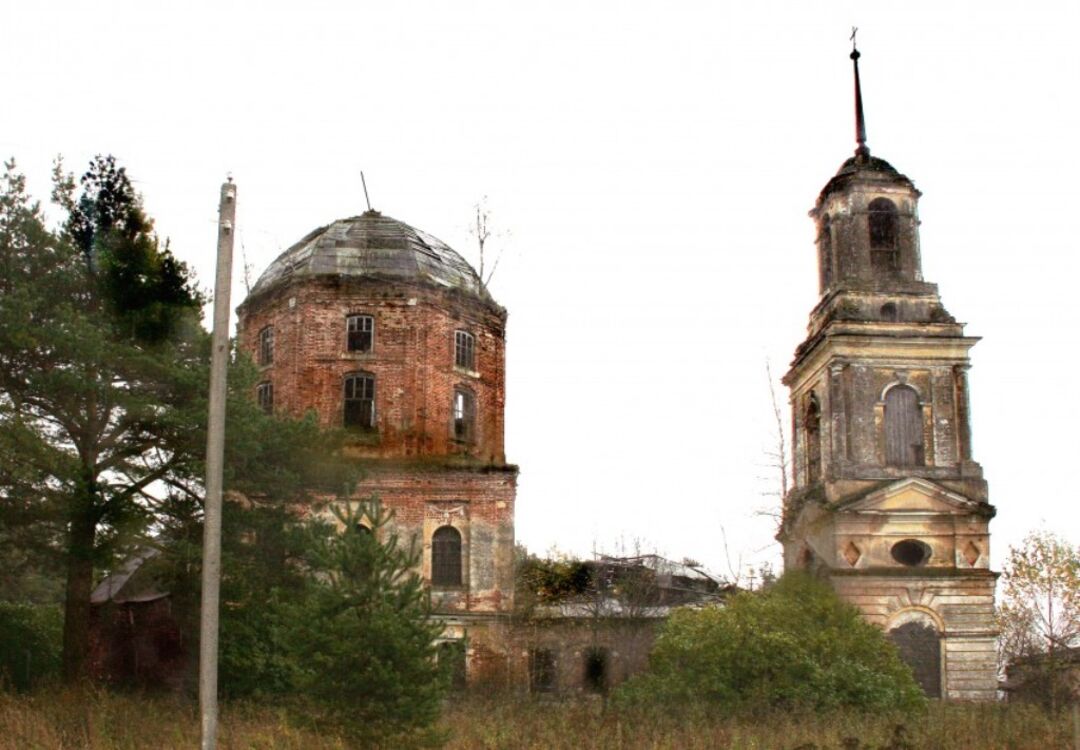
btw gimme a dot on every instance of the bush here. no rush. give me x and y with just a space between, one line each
794 645
29 644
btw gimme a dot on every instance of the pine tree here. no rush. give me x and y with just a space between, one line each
93 382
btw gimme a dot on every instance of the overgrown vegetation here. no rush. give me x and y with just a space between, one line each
794 645
97 720
29 644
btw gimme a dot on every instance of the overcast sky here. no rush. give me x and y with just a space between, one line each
650 166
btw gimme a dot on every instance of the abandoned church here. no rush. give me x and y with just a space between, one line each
379 327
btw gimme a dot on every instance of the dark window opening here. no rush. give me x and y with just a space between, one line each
813 440
361 333
889 312
541 670
464 415
920 648
596 667
264 395
360 401
884 236
266 346
451 660
446 557
903 427
825 248
464 350
911 552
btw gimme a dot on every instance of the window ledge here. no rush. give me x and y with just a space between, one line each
467 372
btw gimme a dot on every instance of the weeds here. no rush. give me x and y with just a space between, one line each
99 720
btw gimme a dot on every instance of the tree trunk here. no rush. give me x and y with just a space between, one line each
80 580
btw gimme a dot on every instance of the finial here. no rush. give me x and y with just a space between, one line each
862 153
364 183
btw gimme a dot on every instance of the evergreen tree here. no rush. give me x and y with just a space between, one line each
92 391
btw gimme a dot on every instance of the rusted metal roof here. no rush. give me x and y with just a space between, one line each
373 246
119 587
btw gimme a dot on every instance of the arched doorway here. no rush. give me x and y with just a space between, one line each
920 647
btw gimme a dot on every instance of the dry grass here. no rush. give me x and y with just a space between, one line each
97 720
581 725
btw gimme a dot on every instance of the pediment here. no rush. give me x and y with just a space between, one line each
911 495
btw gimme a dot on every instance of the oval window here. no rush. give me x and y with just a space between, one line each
911 552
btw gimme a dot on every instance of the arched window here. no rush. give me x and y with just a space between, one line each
596 669
446 557
464 415
542 670
360 333
813 440
451 659
884 236
903 427
825 248
920 648
889 312
464 350
360 400
266 346
264 395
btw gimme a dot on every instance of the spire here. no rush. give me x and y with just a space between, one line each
862 153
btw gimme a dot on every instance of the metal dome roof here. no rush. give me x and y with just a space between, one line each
373 246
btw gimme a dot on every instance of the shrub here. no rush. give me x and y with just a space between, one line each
29 644
794 645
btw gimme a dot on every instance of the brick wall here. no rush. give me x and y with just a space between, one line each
412 359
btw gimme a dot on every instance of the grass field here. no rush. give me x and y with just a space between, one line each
97 720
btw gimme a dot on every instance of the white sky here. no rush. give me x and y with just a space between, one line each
654 163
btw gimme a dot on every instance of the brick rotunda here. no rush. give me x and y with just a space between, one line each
386 331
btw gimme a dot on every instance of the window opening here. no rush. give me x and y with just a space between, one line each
464 415
360 400
911 552
889 312
903 427
451 659
596 667
266 346
542 670
446 557
813 440
464 350
825 245
884 250
361 333
264 395
920 648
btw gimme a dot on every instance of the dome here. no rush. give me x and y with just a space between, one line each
863 169
373 246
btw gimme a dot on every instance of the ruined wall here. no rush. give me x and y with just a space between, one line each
477 501
959 608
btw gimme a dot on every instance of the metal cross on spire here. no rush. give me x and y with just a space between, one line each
862 153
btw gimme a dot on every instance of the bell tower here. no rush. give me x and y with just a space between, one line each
887 502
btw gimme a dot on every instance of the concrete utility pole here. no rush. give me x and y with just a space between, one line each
215 454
